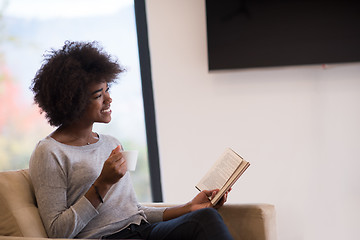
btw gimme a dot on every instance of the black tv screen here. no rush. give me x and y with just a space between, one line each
265 33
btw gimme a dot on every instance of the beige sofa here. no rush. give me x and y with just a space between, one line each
20 219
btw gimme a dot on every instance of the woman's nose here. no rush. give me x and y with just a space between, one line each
108 99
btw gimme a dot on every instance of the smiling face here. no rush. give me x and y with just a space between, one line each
98 109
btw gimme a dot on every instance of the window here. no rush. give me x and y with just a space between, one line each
27 30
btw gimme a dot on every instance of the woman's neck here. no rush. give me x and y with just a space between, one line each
75 136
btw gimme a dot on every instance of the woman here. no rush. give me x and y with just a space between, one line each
80 179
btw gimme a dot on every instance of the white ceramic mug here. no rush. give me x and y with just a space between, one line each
131 157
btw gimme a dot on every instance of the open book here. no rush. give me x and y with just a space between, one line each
223 174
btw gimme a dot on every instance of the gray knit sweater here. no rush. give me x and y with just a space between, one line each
62 174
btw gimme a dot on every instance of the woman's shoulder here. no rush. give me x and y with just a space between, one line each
45 143
44 153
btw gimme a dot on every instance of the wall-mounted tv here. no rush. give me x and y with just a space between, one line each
265 33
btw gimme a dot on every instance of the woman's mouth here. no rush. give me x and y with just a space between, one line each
108 110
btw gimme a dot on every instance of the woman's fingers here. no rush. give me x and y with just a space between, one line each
115 150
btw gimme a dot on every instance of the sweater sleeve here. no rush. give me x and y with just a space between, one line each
153 214
50 185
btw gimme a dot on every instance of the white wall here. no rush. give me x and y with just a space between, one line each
298 126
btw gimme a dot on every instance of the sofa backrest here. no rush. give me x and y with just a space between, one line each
19 215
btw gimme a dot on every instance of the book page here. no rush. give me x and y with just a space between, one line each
239 171
222 170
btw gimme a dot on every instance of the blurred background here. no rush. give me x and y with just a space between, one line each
27 30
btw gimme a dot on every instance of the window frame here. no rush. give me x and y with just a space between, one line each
148 100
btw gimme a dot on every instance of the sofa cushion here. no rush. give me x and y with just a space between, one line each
19 215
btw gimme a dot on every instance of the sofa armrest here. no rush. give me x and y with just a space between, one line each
250 221
245 221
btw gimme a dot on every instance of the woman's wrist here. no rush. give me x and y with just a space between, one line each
101 187
98 194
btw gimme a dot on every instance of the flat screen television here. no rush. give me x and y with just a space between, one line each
266 33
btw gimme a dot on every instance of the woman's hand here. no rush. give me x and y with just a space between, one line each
114 168
202 200
223 200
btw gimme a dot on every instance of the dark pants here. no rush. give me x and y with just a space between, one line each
201 224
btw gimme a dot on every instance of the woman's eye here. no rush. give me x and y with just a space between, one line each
100 95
